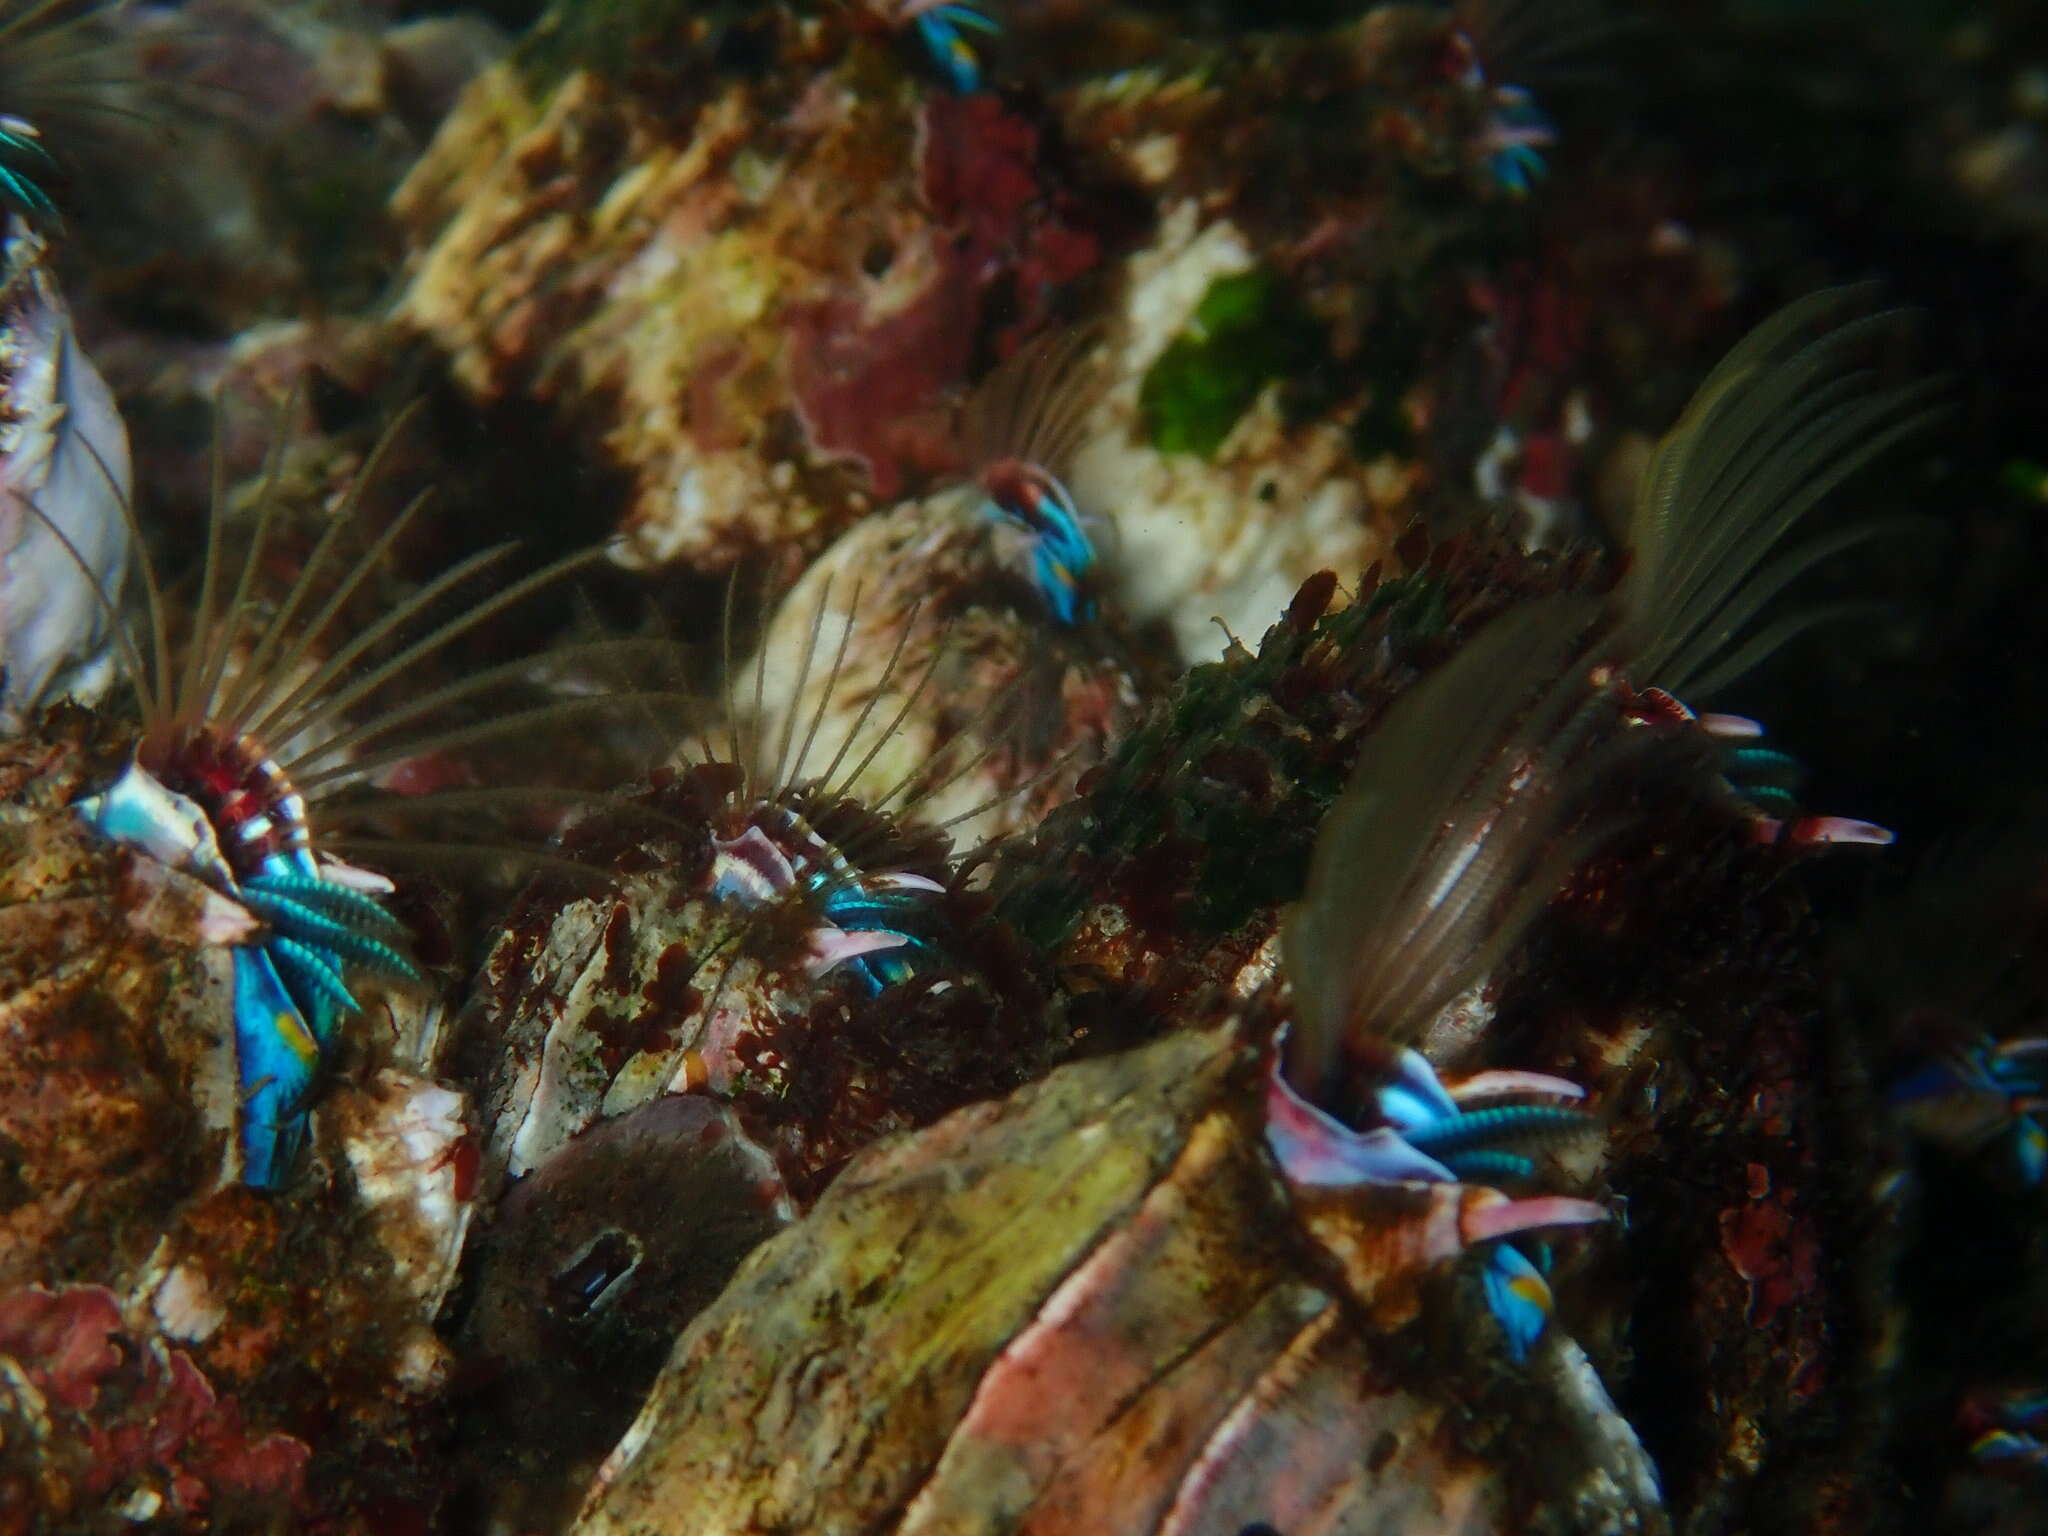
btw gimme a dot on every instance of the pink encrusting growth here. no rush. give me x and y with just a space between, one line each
869 367
127 1415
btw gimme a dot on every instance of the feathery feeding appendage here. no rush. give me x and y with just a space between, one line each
777 935
1795 410
206 792
1457 827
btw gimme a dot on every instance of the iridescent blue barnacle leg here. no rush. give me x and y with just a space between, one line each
277 1049
1762 778
2007 1433
1062 555
276 1057
22 159
1468 1142
1517 132
291 995
862 916
336 923
1428 1138
1988 1093
289 988
888 906
940 27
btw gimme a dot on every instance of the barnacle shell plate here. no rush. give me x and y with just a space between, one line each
1010 695
64 453
1083 1309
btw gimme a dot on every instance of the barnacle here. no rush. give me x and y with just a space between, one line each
1086 1307
1022 429
791 833
1454 831
589 1268
1789 416
1182 1156
63 537
206 791
773 934
944 617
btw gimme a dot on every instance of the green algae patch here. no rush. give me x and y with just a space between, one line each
1248 331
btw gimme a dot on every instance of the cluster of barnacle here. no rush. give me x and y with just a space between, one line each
822 1178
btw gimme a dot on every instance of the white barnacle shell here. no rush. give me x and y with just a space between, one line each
403 1137
64 486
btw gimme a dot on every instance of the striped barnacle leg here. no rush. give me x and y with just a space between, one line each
328 898
342 939
1490 1167
313 976
1460 1140
890 907
1761 780
19 187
